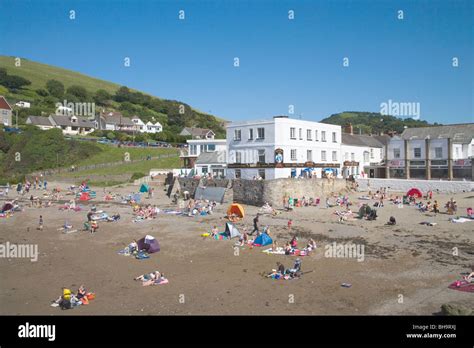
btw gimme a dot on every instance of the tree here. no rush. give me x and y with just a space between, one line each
110 136
42 92
79 92
55 88
13 82
122 94
102 97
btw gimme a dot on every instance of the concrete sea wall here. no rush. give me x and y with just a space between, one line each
403 185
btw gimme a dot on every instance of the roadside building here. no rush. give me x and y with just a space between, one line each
201 149
283 147
439 152
363 155
198 133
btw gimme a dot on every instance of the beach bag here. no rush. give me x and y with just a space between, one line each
65 304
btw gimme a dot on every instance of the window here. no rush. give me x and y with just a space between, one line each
346 156
323 155
238 157
309 134
334 155
334 138
204 170
309 155
396 153
457 152
261 156
438 152
301 133
237 134
260 133
292 133
261 173
193 150
202 148
250 134
353 157
293 154
323 135
211 148
366 156
417 152
372 153
238 174
316 135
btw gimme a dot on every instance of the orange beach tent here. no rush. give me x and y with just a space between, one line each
236 209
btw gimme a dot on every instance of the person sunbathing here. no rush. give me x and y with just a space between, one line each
469 277
149 276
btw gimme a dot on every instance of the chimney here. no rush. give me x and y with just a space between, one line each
348 129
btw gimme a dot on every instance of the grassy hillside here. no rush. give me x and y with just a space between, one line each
34 150
374 122
109 154
76 87
39 74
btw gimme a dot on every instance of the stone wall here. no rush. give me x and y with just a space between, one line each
257 192
403 185
190 184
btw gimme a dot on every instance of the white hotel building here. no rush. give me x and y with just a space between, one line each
282 147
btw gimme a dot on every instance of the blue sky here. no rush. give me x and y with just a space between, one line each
282 61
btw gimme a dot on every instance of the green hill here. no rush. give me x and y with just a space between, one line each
374 122
76 87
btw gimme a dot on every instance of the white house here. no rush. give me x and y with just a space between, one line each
153 127
440 152
70 125
198 133
206 156
148 127
282 147
362 155
115 121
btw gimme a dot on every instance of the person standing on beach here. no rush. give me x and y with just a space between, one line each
41 222
290 223
255 225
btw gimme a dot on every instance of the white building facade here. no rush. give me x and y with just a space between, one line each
282 147
206 157
442 152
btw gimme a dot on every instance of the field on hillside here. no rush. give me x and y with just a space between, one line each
115 154
39 74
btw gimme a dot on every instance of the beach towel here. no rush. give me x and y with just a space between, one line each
460 220
155 282
221 236
462 285
278 251
125 252
141 255
427 223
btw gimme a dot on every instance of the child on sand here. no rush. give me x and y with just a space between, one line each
290 223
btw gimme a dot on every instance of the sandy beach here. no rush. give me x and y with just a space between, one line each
407 261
